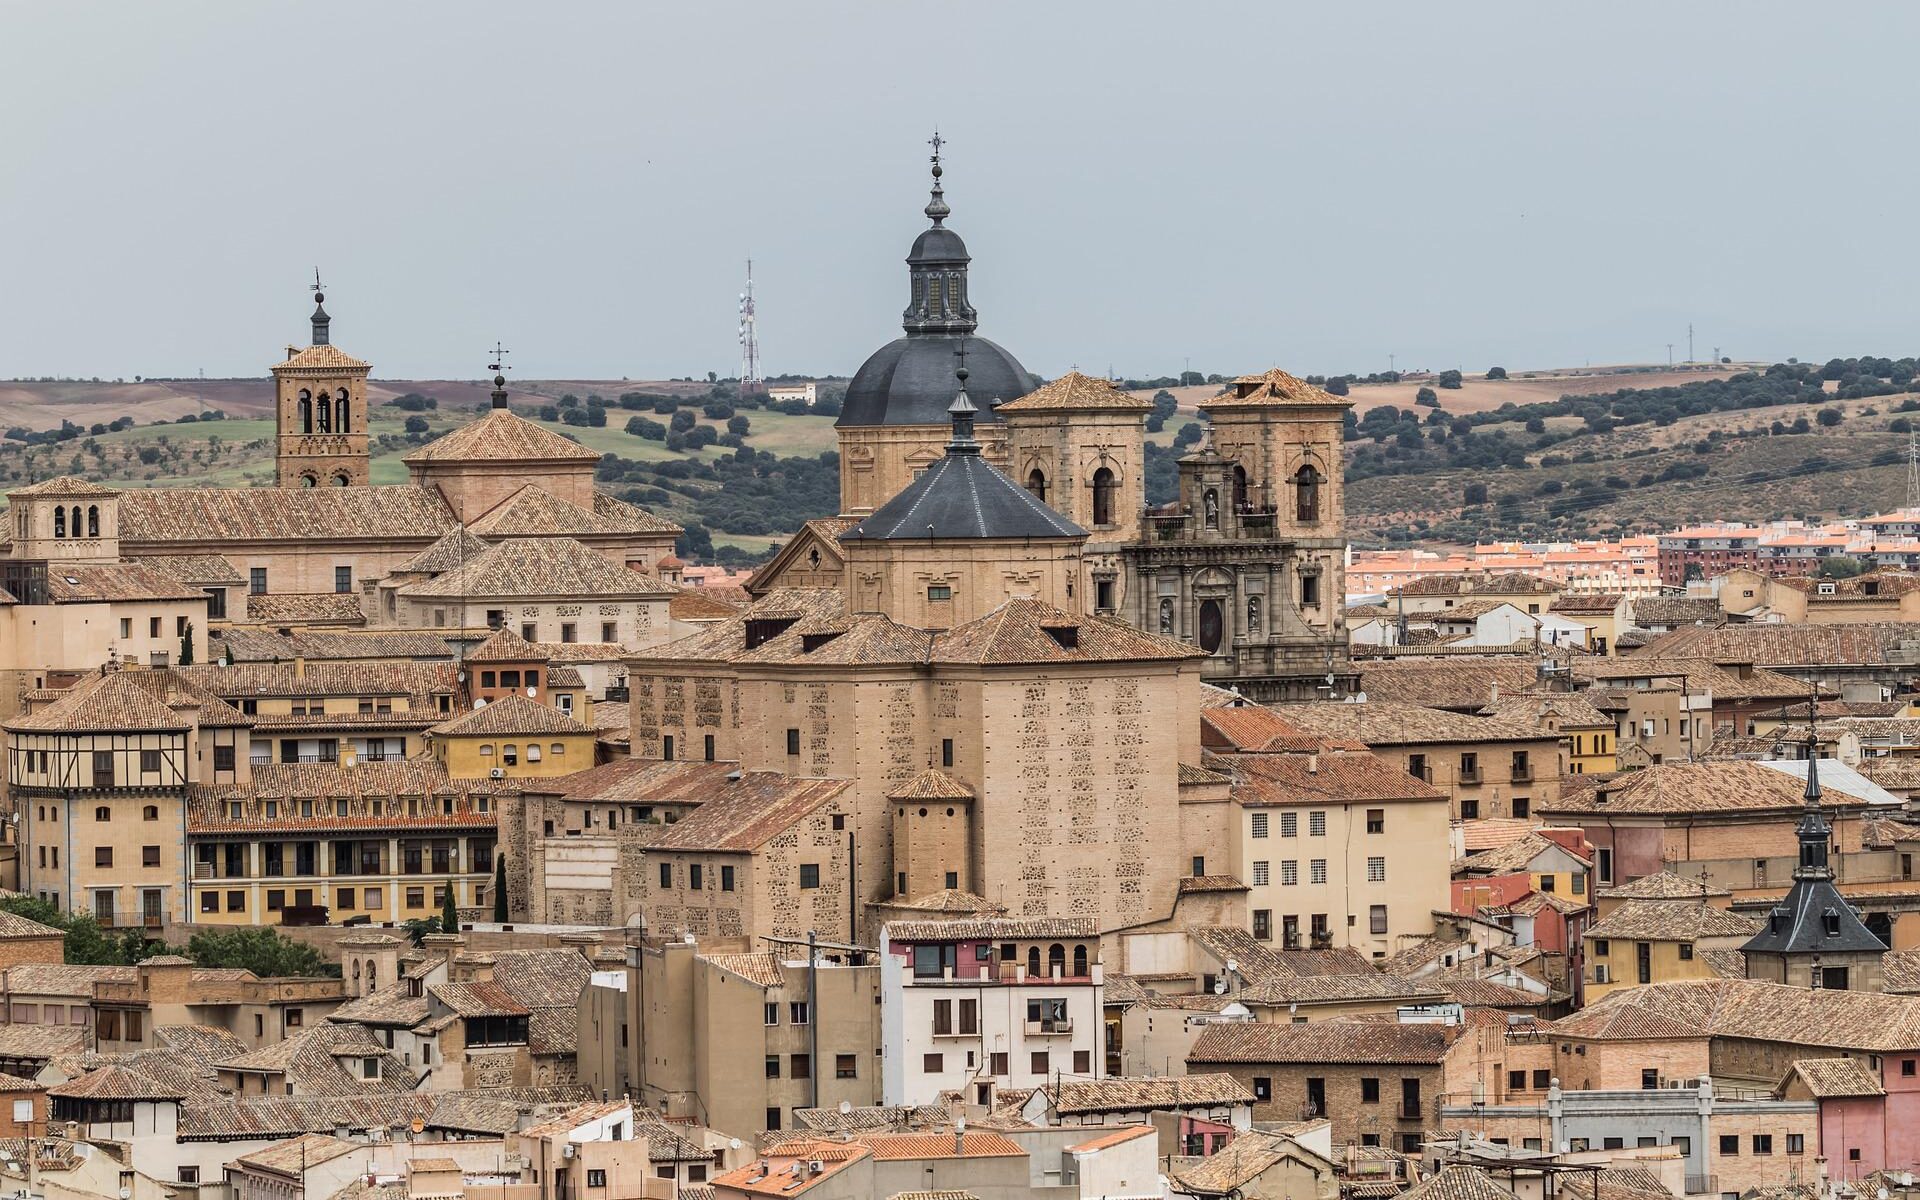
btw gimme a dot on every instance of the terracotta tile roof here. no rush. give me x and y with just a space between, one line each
293 608
932 785
1229 1170
1678 788
202 1042
699 604
389 1006
1464 686
544 978
504 645
114 1082
357 679
392 512
582 652
1145 1093
741 815
444 801
553 1031
726 640
992 929
70 583
1394 723
865 639
835 1157
1018 632
638 781
247 645
1902 971
501 436
13 925
1457 1182
761 969
328 357
534 511
194 568
1568 710
536 568
1513 857
481 998
40 1041
1833 1078
888 1147
1758 1011
103 703
311 1062
1268 388
511 715
1663 885
1192 776
1194 885
1587 604
301 1153
1470 991
1111 1138
1074 392
1322 1042
65 487
1490 832
953 900
1257 728
1698 673
1264 780
1669 612
1332 989
456 546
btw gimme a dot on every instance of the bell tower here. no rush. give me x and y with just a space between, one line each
320 402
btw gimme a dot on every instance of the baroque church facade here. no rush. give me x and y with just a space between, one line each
1246 564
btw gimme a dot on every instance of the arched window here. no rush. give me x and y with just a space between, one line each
339 479
59 521
324 415
1239 488
1037 484
373 975
1080 962
1056 960
1033 960
93 520
340 412
150 813
1103 489
1306 494
76 520
303 411
308 480
103 813
356 970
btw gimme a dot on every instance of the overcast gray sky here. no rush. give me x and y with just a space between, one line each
1314 186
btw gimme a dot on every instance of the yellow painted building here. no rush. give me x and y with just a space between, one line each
514 738
1589 737
1663 941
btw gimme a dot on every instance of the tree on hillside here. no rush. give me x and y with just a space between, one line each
1476 493
1427 398
1829 417
266 952
1496 372
1337 386
1164 406
1449 379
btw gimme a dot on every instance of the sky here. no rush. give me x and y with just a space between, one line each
1329 188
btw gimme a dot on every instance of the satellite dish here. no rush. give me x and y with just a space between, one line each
1219 987
960 1126
417 1125
1233 964
846 1106
532 692
480 702
735 1144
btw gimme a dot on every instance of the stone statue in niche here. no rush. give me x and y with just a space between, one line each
1212 504
1253 614
1166 617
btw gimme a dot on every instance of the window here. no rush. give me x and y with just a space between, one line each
793 741
1796 1143
707 747
1377 919
939 591
1289 824
236 902
276 899
609 632
257 580
1417 766
1729 1144
1289 872
932 1064
666 875
809 875
209 902
694 877
149 856
103 813
726 879
596 1177
1104 488
1686 951
797 1012
1376 869
772 1067
773 1118
1317 870
1260 874
1369 1091
343 579
1469 810
666 748
153 627
1316 824
1262 1089
1263 924
800 1066
1259 824
771 1013
1199 865
946 752
149 762
568 633
1763 1143
1603 863
103 856
1649 1079
1376 820
1549 883
1516 1081
223 758
1040 1064
527 632
845 1066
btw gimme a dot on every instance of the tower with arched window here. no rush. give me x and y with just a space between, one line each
1248 563
320 402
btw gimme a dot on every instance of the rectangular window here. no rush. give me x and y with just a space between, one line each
1376 820
126 627
1309 591
726 879
1469 810
997 1063
707 747
1040 1065
1377 919
1542 1080
970 1016
149 856
1289 824
1317 870
568 632
149 762
1763 1143
694 877
939 591
845 1066
103 856
1263 924
1258 823
1516 1081
771 1013
596 1177
1376 869
257 580
793 741
608 632
666 875
1289 872
223 758
1260 874
799 1066
1316 824
1729 1145
343 579
1369 1090
153 627
796 1012
946 752
772 1066
932 1064
809 875
1796 1143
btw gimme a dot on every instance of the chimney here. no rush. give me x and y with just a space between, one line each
299 666
1313 764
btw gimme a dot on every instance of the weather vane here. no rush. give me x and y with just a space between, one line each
316 281
499 357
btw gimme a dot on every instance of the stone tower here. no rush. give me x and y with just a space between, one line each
320 402
1249 563
1078 444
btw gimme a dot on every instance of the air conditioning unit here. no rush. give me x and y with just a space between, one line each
567 1151
816 1166
497 773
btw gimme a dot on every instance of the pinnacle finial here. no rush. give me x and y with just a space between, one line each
937 210
497 363
1813 747
962 409
320 318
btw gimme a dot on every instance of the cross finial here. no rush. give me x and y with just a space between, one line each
936 141
316 280
937 210
961 354
498 355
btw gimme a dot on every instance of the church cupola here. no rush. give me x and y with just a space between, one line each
937 272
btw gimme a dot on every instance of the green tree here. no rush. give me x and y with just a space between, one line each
1476 493
1426 397
1829 417
186 644
419 927
1496 372
416 424
739 424
1449 379
266 952
86 943
1337 386
500 889
1844 567
449 915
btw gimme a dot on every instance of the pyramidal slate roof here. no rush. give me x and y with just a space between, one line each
963 496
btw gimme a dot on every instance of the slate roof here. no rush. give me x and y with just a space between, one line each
741 815
1671 921
963 496
1322 1042
391 512
508 716
538 567
501 436
1074 392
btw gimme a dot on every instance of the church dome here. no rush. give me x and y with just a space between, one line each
909 380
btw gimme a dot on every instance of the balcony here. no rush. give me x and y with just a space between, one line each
1469 776
1409 1111
1522 773
1050 1027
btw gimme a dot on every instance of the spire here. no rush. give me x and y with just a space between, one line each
962 410
320 318
1813 748
937 210
1813 829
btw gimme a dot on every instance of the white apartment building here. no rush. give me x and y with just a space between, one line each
976 1005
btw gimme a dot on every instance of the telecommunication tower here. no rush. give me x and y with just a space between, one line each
750 378
1913 470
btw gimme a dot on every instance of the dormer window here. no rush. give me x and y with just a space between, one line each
1826 589
1067 637
1830 920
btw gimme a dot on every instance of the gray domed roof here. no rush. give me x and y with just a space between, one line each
909 381
938 244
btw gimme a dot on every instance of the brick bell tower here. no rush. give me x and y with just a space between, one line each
320 402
